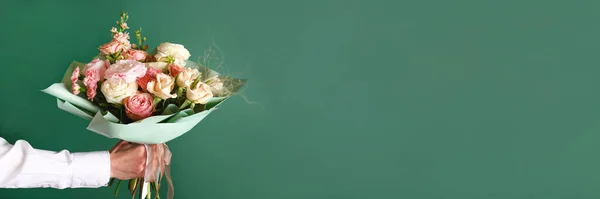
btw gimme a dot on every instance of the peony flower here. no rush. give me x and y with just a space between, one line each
174 69
150 76
168 50
162 86
118 89
111 47
186 77
139 106
216 85
129 70
199 94
138 55
74 77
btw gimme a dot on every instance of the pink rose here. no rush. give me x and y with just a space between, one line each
129 70
139 106
175 69
138 55
111 47
150 76
143 81
74 77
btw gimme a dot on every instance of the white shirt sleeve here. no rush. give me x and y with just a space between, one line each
22 166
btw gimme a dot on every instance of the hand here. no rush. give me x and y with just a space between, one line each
127 161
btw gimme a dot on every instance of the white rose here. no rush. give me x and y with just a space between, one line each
175 51
162 86
160 65
216 85
186 77
118 89
199 94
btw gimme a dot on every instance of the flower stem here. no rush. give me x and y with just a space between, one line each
117 189
154 186
185 104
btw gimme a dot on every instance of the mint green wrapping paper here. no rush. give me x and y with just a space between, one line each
152 130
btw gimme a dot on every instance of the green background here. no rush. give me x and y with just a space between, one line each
463 99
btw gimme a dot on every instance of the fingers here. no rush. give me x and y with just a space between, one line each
140 150
128 160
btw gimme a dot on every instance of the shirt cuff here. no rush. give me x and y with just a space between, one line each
90 169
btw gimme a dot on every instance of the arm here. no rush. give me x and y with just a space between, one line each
22 166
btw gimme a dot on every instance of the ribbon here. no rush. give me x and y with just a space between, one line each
158 162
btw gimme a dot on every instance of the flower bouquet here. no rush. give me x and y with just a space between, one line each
142 97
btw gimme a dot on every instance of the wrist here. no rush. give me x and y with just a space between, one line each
111 167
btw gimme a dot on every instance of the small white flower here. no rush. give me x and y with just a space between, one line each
168 50
216 85
160 65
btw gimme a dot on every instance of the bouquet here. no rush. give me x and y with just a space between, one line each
143 97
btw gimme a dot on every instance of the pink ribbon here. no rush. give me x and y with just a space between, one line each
158 165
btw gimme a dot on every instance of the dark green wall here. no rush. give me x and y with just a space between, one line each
374 99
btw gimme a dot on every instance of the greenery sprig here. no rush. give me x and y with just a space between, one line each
141 40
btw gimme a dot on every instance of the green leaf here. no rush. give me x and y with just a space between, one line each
110 58
118 54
